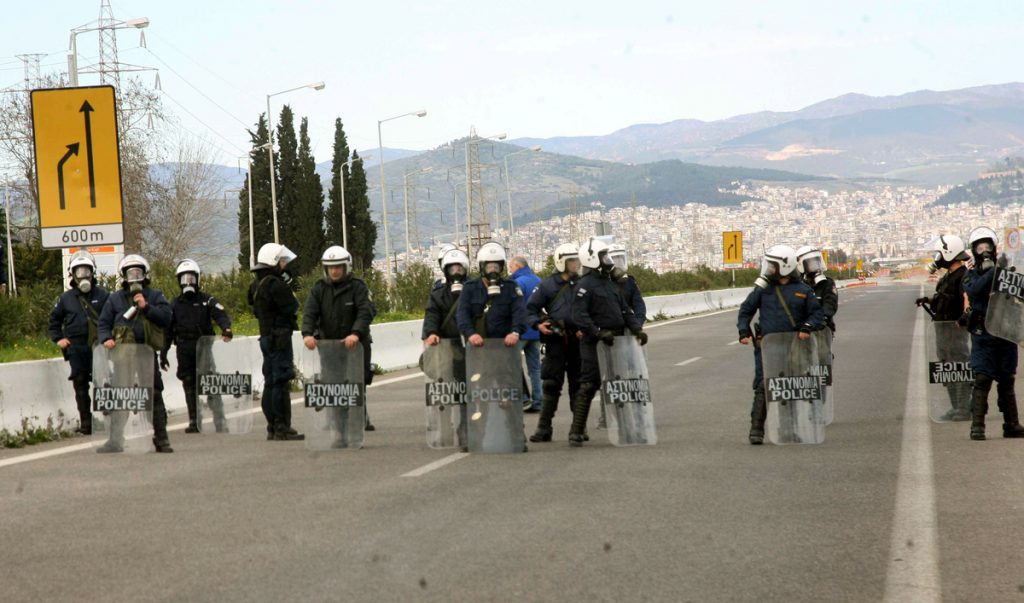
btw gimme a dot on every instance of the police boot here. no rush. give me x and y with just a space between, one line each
367 425
190 402
758 413
160 440
585 395
1008 404
549 404
84 404
284 433
979 408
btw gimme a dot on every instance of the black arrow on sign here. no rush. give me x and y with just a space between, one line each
87 109
72 150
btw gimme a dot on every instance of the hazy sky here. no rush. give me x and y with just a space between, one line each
528 68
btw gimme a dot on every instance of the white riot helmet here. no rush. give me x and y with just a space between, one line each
134 271
272 254
948 249
336 255
188 276
778 262
82 270
809 261
983 241
564 253
617 253
491 255
455 266
445 248
594 256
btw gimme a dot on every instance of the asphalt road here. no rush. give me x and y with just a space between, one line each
702 516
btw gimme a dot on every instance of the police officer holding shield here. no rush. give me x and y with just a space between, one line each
783 303
549 310
193 315
138 314
811 266
339 306
74 326
275 308
491 305
947 306
600 313
992 358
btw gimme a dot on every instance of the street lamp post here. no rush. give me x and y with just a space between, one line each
270 150
405 189
252 237
341 186
383 194
508 190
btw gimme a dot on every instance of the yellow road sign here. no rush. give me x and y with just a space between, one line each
78 166
860 265
732 247
824 257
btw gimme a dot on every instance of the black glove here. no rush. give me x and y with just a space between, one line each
641 336
1002 261
965 318
804 329
606 336
227 333
923 300
746 333
164 363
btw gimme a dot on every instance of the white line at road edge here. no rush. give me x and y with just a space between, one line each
913 573
675 320
451 458
685 362
35 456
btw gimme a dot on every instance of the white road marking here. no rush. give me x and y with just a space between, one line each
451 458
35 456
734 342
913 573
685 362
675 320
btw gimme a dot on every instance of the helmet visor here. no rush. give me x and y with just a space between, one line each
984 247
492 268
188 278
572 265
620 261
814 265
455 269
135 274
82 272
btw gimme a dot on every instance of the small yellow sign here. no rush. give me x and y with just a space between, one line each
824 257
860 265
78 166
732 247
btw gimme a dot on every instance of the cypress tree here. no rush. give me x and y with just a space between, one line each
309 206
263 225
286 164
362 231
339 172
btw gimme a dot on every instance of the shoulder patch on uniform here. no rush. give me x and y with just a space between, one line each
581 292
219 306
801 295
519 291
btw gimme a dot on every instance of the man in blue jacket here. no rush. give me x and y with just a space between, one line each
138 314
491 306
530 341
783 303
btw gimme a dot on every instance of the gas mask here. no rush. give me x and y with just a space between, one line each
133 279
492 276
455 274
189 283
82 277
937 263
618 267
984 255
607 265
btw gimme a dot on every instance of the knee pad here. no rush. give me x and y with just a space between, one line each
982 382
550 387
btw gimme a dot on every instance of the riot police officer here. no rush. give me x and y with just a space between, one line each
439 283
491 305
600 313
439 317
630 292
138 314
73 326
192 317
783 303
275 308
947 305
811 266
992 358
339 306
549 310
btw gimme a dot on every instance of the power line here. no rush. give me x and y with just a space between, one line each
201 93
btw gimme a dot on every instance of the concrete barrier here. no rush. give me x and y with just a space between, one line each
39 389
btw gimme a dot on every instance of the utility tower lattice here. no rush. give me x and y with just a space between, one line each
33 73
478 225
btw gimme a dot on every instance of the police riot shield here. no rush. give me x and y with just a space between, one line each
494 398
1005 315
444 370
950 378
792 389
626 393
335 395
122 398
823 369
224 384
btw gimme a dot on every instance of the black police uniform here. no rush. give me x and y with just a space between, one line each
992 358
947 305
276 309
807 316
827 294
75 316
552 301
631 293
147 326
192 317
335 310
491 317
598 311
